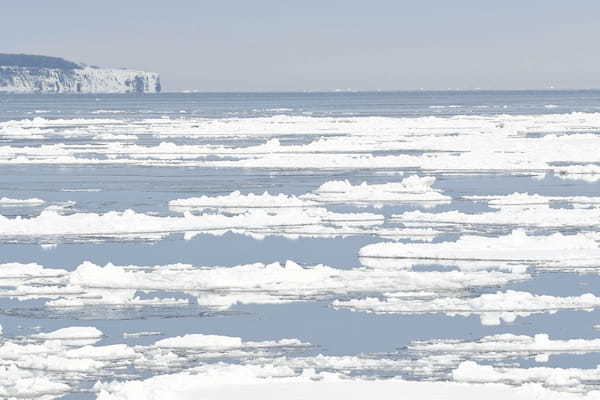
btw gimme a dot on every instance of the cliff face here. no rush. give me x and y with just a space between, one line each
30 74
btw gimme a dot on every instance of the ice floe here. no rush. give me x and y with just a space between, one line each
452 144
516 246
413 189
541 346
532 216
52 366
292 222
16 383
588 172
470 371
493 308
222 287
268 381
220 343
5 201
236 200
49 364
73 333
526 199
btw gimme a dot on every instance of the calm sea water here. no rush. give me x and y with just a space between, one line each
222 105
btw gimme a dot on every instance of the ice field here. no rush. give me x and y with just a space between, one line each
316 245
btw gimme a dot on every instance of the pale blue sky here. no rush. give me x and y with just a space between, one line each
320 45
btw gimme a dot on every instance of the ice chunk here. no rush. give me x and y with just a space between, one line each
517 246
5 201
493 308
74 332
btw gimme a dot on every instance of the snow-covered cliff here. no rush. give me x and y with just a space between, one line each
27 74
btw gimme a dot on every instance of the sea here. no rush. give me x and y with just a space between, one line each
386 234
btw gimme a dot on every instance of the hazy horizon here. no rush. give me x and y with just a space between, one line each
278 46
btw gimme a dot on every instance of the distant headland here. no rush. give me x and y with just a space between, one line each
25 73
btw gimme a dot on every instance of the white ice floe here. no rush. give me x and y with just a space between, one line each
471 372
221 287
74 332
73 336
588 172
131 224
225 382
14 274
493 308
506 125
221 343
5 201
526 199
427 366
20 384
105 298
508 345
413 189
541 215
460 264
53 365
517 246
50 364
454 144
11 271
40 371
200 341
236 200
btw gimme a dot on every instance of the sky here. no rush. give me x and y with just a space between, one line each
281 45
